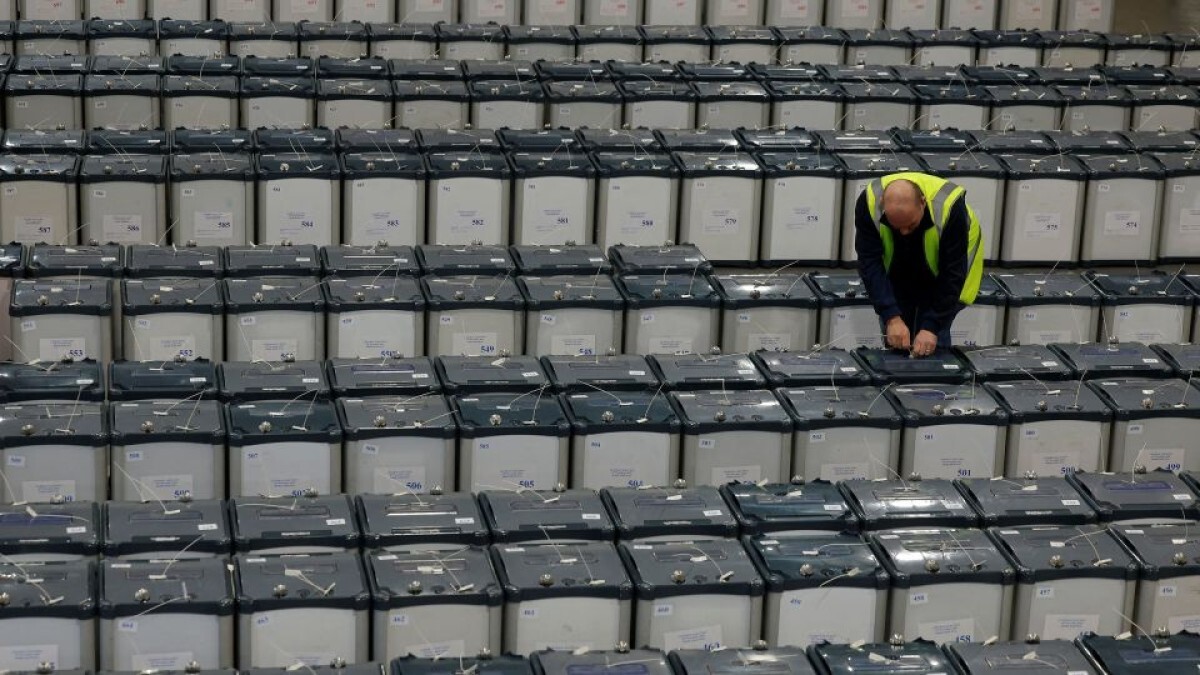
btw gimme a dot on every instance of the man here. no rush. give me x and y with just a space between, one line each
920 256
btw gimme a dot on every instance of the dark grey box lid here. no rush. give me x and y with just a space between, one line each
282 422
669 34
1150 656
690 372
839 289
1134 398
376 140
777 660
395 293
183 64
624 662
546 515
45 141
955 93
1031 167
64 64
414 520
932 404
1013 141
591 569
560 259
931 74
1041 500
69 528
662 90
609 372
1016 362
705 140
712 567
678 258
66 380
253 381
797 72
644 291
489 665
888 365
35 297
244 296
1163 550
1072 75
299 260
379 263
863 165
149 527
1184 358
493 414
1049 552
287 67
48 260
940 556
1009 38
271 522
196 29
604 141
744 291
785 90
714 72
1106 167
561 70
131 380
796 140
37 29
124 84
792 562
340 577
720 163
608 34
468 164
634 163
465 374
908 658
1086 95
561 34
425 69
474 259
650 70
63 590
218 165
1090 141
173 263
349 31
815 367
711 411
129 65
390 375
1124 496
130 145
1156 287
221 86
396 416
637 411
498 291
876 92
259 86
775 507
419 32
294 141
1148 94
203 587
858 73
482 32
1164 141
506 69
680 513
818 34
433 90
977 658
1129 359
213 140
892 503
123 169
1036 288
826 406
972 164
1177 163
431 577
550 163
528 91
284 165
167 421
593 291
787 163
539 140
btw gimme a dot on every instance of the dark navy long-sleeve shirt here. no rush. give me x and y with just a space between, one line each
910 287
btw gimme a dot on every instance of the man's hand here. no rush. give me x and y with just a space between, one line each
924 344
897 333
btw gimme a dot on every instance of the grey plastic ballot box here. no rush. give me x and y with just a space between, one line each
251 261
51 37
369 319
195 628
552 197
696 372
1048 308
1034 655
241 381
299 198
623 439
148 531
826 587
1168 574
695 595
212 140
168 318
1158 655
469 196
1138 50
61 381
51 532
809 103
610 372
1153 422
275 618
517 104
801 201
675 43
458 259
384 197
172 380
549 259
919 657
429 103
1117 359
886 365
358 103
563 597
474 315
512 441
1155 307
908 504
273 318
1015 363
794 507
128 101
398 444
1043 206
766 312
637 196
475 374
409 522
561 515
932 570
284 448
1032 500
434 604
1070 580
1054 430
371 261
669 313
63 631
719 423
39 198
843 432
1121 221
291 525
811 368
950 430
952 105
1181 357
386 376
1137 497
167 449
656 514
123 199
57 319
652 258
572 315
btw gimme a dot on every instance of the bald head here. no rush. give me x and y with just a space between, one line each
904 205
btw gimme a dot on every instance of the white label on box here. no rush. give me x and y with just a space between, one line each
700 637
1028 13
529 612
549 319
28 657
247 320
591 516
1069 626
845 471
727 474
28 325
290 485
1048 336
802 218
549 221
213 224
670 345
1189 220
79 529
47 490
438 650
464 521
707 443
1056 461
390 480
467 222
473 344
383 224
335 522
664 609
637 222
1123 223
855 9
162 662
573 345
1182 497
127 625
648 317
713 513
1167 591
168 486
1043 225
399 620
1134 429
1070 502
722 221
793 9
770 342
207 527
121 228
734 8
948 630
918 598
1189 623
133 455
55 349
15 461
33 228
1170 459
271 350
1044 593
297 225
182 345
